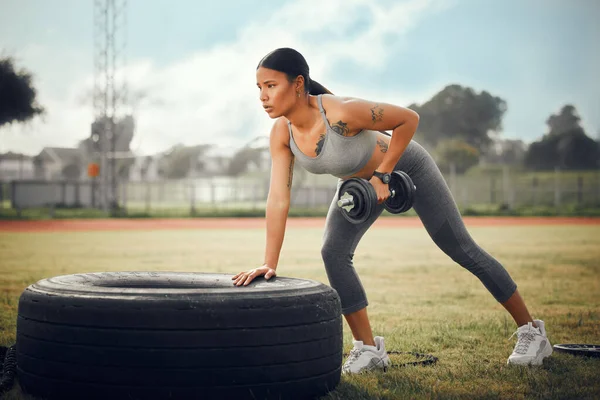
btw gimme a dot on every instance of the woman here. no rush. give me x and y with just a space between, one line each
341 136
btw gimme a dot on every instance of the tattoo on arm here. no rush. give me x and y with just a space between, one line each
341 128
383 146
320 144
290 173
376 113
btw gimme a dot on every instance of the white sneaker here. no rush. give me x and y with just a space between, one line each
365 358
532 345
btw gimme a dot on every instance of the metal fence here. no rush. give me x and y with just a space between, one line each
508 189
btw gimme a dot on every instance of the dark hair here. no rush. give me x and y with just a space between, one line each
292 63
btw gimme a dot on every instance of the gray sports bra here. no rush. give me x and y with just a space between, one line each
340 156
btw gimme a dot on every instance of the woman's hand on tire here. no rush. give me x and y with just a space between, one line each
244 278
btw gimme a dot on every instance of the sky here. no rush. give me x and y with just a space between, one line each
190 65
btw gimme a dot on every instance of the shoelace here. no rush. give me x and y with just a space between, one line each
524 339
353 356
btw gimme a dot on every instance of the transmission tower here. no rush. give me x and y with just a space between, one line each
110 91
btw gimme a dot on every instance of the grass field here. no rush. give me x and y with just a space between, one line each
419 299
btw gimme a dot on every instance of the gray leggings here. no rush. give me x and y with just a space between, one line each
440 216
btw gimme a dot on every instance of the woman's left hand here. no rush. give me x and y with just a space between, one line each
382 189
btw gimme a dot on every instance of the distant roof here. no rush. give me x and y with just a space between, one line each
14 156
62 153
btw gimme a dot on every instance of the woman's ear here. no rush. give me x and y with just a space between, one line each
299 83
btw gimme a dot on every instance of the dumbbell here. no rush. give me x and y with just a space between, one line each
357 198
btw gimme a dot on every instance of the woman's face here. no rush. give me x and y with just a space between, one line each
277 94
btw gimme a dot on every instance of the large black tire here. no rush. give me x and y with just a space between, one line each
155 335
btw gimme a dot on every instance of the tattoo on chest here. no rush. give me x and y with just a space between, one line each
376 113
383 146
320 144
341 128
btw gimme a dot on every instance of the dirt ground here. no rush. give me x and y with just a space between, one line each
254 223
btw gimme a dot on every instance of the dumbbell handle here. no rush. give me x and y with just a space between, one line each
350 201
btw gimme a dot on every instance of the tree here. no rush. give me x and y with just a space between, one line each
180 161
459 112
242 158
505 151
565 145
455 152
17 95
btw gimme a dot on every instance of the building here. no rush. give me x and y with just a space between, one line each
16 166
57 163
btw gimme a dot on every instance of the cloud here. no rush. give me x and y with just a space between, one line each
210 96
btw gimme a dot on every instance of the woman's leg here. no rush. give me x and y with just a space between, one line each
518 310
438 211
340 240
358 321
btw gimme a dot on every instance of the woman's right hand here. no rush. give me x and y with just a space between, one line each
244 278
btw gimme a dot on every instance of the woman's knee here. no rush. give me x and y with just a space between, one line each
456 243
334 255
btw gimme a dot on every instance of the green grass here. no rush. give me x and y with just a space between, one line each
419 299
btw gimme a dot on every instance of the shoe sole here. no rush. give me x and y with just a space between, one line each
539 360
386 364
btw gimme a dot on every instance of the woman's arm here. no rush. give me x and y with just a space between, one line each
278 200
363 114
278 203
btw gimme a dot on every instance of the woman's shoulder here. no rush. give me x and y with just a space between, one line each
333 104
280 131
339 114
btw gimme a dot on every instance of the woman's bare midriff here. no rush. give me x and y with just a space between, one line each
376 159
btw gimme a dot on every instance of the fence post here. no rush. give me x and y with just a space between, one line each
192 198
124 189
534 189
556 187
236 190
493 190
148 195
212 192
51 212
77 200
13 197
255 196
506 192
63 193
579 190
93 191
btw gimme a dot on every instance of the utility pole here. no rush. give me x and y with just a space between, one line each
110 92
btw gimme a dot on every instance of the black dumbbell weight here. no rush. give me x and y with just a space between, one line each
358 200
405 190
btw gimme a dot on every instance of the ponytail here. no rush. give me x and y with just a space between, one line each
315 88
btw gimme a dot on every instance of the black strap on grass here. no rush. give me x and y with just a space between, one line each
421 359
